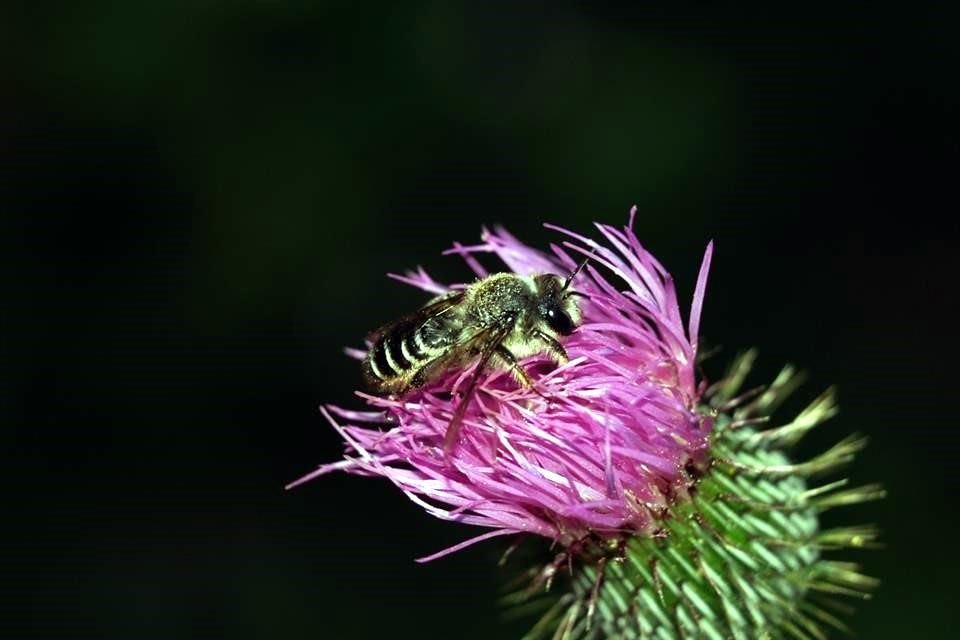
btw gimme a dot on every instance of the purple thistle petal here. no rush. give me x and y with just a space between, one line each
467 254
466 543
698 295
420 280
600 450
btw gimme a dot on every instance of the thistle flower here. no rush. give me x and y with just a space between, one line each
674 515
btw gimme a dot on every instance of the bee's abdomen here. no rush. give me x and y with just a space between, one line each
397 354
386 357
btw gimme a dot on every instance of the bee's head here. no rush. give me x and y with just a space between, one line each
556 304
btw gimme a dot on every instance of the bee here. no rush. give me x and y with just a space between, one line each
499 319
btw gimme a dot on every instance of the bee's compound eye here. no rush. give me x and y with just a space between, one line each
560 322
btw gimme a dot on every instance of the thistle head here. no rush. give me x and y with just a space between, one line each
674 514
598 446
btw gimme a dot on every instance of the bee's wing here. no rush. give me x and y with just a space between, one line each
488 340
432 309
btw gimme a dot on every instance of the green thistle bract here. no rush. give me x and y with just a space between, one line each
741 555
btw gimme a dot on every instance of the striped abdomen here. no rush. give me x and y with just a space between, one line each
401 351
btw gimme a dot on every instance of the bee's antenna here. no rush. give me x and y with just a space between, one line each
579 268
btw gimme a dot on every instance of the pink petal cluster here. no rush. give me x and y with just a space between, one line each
605 447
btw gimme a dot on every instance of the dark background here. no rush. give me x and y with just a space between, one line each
200 201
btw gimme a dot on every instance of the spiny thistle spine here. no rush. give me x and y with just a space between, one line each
742 556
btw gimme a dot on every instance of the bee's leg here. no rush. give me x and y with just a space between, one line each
519 373
555 349
491 339
513 365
